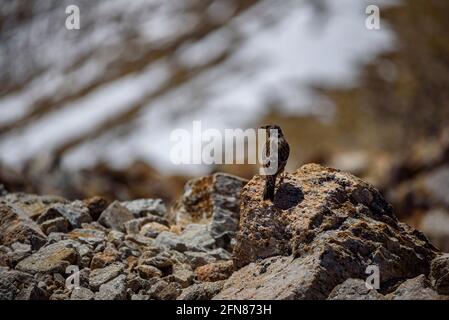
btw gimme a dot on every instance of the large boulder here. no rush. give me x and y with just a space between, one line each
324 227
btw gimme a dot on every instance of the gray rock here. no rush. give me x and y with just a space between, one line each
99 277
116 237
197 236
12 282
213 200
354 289
160 261
201 291
170 241
113 290
21 247
32 206
133 226
439 274
135 283
183 274
416 289
19 252
115 216
82 294
53 258
32 292
198 259
75 213
220 254
15 226
55 225
140 297
143 207
163 290
140 240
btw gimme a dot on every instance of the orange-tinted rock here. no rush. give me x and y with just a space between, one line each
215 271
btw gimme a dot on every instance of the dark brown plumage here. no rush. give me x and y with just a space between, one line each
274 136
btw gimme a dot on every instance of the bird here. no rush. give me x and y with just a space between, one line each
277 150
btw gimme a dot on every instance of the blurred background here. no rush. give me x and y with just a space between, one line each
89 112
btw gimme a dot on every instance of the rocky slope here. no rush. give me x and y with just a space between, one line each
219 241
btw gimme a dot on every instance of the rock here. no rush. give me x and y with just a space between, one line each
88 236
113 290
55 225
15 226
139 240
325 226
135 283
143 207
100 276
115 216
435 225
31 205
439 274
220 254
53 258
198 259
32 292
82 294
19 252
416 289
183 274
201 291
215 271
213 200
140 297
161 261
96 205
163 290
133 226
354 289
75 213
105 258
197 236
170 241
152 229
116 237
12 282
147 271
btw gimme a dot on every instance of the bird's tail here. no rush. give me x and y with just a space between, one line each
268 192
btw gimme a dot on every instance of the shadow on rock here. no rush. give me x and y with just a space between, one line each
287 196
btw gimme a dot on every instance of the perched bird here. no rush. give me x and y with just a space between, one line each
276 150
